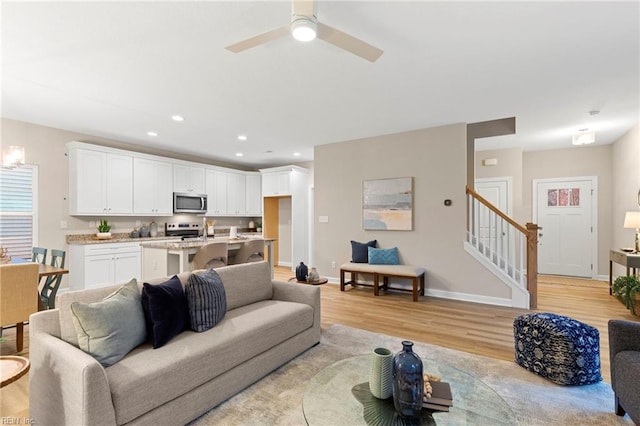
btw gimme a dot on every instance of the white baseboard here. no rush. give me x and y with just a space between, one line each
282 263
466 297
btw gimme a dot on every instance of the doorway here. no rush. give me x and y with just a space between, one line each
498 192
565 209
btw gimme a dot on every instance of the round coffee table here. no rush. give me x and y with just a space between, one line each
321 280
340 394
12 368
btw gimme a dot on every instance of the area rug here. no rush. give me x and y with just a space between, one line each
277 399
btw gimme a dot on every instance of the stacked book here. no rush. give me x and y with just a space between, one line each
440 399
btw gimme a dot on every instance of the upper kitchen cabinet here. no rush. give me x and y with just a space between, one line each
216 190
100 182
253 194
152 187
236 194
188 179
276 182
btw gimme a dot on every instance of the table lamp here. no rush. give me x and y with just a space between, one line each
632 220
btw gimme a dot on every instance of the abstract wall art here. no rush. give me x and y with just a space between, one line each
387 204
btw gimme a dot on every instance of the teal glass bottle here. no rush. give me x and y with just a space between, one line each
408 382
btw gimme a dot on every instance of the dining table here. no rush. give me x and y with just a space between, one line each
43 269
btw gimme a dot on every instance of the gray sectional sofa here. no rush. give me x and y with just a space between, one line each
267 324
624 350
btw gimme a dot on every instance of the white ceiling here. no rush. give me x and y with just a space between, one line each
120 69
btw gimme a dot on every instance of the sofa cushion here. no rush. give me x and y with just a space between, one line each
110 328
246 283
68 331
192 359
383 256
359 251
206 299
165 310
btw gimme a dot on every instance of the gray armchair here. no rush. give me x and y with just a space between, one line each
624 350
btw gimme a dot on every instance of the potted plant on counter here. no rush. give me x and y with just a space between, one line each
103 230
627 290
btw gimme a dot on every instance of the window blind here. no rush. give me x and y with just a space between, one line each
18 211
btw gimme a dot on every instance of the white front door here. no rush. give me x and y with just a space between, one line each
564 210
498 192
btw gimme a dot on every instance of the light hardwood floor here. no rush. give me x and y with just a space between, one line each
470 327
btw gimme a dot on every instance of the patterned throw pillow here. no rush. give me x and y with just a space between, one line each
383 256
206 299
165 309
110 328
359 252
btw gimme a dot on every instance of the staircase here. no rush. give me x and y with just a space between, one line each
508 249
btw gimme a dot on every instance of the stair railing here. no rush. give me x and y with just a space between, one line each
509 246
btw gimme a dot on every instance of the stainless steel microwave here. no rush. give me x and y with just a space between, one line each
188 202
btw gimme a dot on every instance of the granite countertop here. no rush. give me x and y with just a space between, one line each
124 237
195 243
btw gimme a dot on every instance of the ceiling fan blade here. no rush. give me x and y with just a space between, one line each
348 42
259 39
303 8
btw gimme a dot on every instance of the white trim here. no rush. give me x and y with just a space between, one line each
283 263
467 297
520 297
594 211
34 193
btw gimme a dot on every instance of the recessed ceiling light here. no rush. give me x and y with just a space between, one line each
177 118
297 154
152 134
242 137
239 154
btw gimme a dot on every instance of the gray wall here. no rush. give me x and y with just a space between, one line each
625 168
436 159
574 162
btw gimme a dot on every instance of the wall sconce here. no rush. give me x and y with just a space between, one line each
13 157
632 220
584 137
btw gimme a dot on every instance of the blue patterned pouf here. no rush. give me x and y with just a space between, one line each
558 348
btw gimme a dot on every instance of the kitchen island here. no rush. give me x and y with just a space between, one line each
161 259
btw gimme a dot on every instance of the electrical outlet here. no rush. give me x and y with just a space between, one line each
92 224
333 264
63 224
138 224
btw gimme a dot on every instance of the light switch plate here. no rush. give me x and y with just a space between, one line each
323 219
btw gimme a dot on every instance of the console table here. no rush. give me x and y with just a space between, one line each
630 260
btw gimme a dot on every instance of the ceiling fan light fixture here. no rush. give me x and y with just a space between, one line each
584 137
303 28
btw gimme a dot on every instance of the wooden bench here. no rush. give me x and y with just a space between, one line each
414 273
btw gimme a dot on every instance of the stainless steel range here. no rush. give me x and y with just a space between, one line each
183 229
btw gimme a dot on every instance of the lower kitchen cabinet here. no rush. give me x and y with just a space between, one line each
104 264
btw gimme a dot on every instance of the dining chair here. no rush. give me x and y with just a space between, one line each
39 255
251 251
18 296
212 255
52 283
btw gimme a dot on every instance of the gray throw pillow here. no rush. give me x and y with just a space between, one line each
206 299
110 328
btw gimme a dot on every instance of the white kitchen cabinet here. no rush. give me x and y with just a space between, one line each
188 179
216 190
276 183
288 182
152 187
236 194
253 194
100 183
104 264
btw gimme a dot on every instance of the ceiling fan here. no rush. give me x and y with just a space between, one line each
304 26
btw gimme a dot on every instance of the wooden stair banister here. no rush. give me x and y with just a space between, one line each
530 231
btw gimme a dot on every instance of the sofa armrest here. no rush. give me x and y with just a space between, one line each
66 385
301 293
623 336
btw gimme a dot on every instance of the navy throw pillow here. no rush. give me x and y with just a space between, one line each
206 299
165 310
360 251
